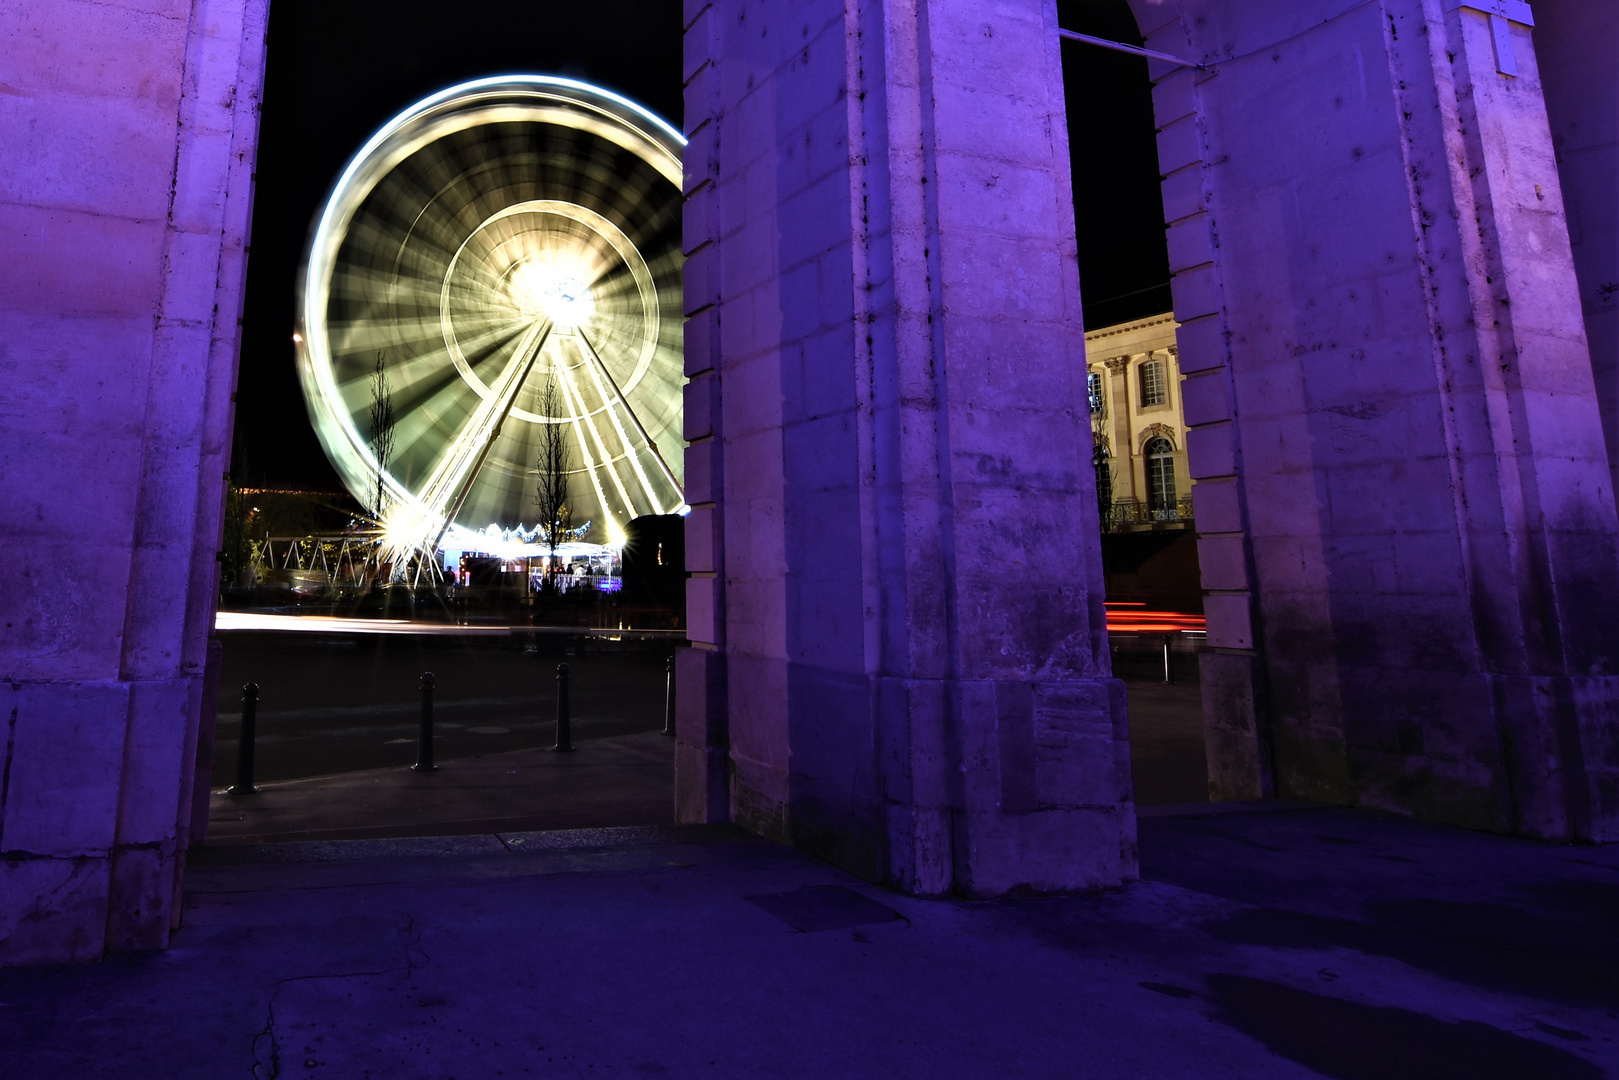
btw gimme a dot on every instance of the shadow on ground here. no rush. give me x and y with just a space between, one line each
1347 1040
1261 942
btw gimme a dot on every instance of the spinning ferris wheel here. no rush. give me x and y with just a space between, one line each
509 249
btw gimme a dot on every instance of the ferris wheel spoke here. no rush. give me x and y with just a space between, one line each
575 421
600 372
490 337
446 487
410 372
603 454
437 384
360 332
427 424
623 438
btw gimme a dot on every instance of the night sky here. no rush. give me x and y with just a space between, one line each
338 69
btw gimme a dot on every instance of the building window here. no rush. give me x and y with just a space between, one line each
1161 479
1154 386
1093 390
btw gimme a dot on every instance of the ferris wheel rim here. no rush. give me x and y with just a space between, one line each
516 97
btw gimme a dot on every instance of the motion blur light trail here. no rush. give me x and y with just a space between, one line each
497 239
1133 619
332 624
1126 616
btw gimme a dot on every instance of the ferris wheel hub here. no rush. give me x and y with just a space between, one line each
543 288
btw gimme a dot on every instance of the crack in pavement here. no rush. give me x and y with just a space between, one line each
266 1047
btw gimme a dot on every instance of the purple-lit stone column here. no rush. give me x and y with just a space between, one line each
906 560
130 136
1409 526
1574 42
702 787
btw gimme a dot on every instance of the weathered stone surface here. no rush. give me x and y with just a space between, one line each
700 737
64 755
54 910
125 196
1415 463
1575 43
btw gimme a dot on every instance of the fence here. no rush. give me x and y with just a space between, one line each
1124 514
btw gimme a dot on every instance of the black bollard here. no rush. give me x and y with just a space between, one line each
564 720
669 700
424 737
244 741
1169 674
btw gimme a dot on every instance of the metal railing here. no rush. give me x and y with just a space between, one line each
1124 514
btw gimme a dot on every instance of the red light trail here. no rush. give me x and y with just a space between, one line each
1125 616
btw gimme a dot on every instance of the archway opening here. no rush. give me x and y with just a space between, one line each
336 634
1149 548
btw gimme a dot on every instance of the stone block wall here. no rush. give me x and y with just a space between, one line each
125 188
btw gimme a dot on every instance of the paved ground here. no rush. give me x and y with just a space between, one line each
343 703
1167 760
625 780
1287 943
338 723
607 781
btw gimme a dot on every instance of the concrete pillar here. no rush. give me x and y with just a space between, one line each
702 791
1576 42
125 192
906 581
1410 536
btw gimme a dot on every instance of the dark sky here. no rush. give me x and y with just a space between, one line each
1118 206
338 69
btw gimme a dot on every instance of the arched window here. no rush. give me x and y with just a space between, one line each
1161 478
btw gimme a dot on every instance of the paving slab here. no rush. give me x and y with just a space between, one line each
1262 941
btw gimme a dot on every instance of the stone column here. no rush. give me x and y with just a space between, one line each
128 181
1394 425
1232 671
911 627
1118 389
701 731
1575 41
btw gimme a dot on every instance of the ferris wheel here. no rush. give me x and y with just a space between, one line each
500 263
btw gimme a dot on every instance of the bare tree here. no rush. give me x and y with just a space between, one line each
233 552
382 425
552 468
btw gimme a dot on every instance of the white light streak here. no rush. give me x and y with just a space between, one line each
328 624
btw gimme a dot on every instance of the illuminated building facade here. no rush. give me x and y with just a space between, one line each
1138 428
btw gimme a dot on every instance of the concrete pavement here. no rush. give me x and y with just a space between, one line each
332 703
627 780
617 780
1261 942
